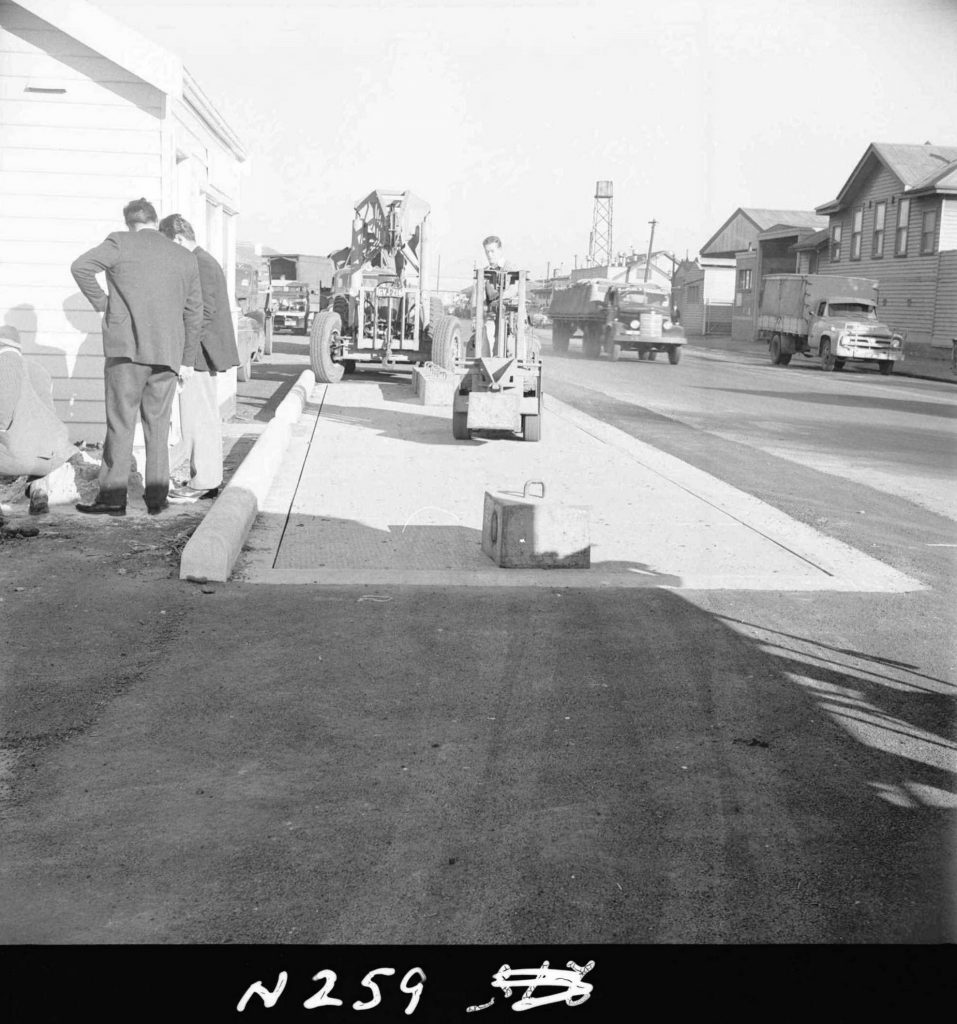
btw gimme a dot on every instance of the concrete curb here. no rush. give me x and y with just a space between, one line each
211 552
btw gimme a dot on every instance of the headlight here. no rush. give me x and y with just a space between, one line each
634 325
666 325
895 343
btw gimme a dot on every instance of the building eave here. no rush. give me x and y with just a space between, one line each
122 45
201 104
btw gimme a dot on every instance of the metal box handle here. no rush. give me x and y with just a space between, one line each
533 483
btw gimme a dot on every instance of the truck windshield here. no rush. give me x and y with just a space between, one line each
642 298
859 309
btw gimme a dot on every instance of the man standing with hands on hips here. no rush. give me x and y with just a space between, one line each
151 331
202 436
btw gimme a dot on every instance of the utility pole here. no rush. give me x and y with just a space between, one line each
576 260
548 271
651 242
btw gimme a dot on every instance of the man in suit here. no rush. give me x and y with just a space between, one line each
202 435
154 313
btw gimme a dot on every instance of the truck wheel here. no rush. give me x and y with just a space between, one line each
886 367
775 350
436 311
591 345
614 352
460 427
447 343
323 339
267 337
532 427
652 354
828 362
642 352
674 355
839 364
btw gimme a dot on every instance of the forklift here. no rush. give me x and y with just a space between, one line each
501 385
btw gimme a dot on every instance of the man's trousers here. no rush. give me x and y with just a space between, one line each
132 387
202 432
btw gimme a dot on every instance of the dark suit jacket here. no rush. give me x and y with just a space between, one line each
154 308
218 339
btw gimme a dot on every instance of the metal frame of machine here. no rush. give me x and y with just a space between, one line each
501 386
378 309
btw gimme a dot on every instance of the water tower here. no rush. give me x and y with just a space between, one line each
600 241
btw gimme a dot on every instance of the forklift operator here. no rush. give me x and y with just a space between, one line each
493 253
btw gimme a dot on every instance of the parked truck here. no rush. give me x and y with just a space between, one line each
300 287
828 316
615 317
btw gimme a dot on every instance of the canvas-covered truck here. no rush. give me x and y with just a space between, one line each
824 315
615 317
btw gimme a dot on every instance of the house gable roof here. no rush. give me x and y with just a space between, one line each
913 166
747 222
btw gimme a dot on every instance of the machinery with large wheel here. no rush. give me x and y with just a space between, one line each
501 366
379 313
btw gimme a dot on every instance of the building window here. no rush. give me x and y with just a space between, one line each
836 231
694 293
744 280
877 245
857 232
903 216
928 231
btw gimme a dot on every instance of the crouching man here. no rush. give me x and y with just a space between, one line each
33 441
202 434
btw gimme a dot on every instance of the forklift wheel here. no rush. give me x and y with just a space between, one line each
532 427
460 429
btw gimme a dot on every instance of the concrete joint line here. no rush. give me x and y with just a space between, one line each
832 557
211 552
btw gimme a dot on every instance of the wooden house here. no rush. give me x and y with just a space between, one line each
895 220
93 115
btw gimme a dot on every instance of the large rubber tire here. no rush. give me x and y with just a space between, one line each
591 342
828 361
324 335
460 430
447 350
839 364
267 336
614 352
886 367
652 354
674 355
532 427
775 350
642 352
436 311
560 337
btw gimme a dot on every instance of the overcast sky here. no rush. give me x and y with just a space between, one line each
504 115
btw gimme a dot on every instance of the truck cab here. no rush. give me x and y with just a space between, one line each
843 327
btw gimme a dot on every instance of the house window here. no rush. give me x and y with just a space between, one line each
857 232
877 245
744 280
903 216
928 231
836 231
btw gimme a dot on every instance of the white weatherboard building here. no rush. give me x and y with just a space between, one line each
92 115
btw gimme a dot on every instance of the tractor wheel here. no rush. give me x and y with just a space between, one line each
886 367
447 343
828 361
532 427
436 311
674 355
323 339
460 428
615 352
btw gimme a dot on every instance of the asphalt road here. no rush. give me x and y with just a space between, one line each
342 764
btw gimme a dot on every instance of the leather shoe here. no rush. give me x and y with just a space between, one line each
99 509
154 510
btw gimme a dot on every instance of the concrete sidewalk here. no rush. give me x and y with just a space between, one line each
374 490
921 361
